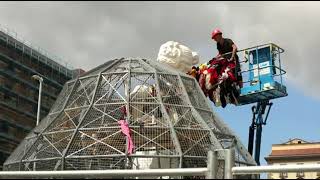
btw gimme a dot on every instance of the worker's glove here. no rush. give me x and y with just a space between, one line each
231 59
218 56
224 76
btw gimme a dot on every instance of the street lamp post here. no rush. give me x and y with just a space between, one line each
36 77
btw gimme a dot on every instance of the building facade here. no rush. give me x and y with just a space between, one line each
19 92
294 152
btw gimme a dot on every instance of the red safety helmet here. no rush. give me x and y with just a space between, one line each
215 32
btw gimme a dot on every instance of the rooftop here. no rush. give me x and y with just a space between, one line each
44 56
295 148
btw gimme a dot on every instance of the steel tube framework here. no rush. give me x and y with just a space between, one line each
209 172
275 169
105 173
170 121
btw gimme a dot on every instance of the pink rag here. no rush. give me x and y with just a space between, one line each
126 131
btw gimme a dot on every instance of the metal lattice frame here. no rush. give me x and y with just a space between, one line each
171 122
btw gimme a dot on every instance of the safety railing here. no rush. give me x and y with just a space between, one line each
105 173
209 172
256 170
258 69
48 58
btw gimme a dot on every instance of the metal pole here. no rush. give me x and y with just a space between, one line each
127 88
39 102
252 131
212 165
258 143
40 79
275 169
229 163
104 173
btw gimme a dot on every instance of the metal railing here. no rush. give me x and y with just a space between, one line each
209 172
277 51
275 169
105 173
246 62
49 59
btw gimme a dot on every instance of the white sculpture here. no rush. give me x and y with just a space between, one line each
141 93
178 56
153 163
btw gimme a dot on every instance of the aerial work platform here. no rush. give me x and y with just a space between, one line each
262 81
262 74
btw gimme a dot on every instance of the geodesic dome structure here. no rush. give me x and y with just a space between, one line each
171 122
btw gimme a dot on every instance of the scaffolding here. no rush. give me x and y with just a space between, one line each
171 122
19 60
18 42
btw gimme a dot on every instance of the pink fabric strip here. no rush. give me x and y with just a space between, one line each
126 131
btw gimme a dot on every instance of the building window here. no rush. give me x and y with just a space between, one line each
283 175
318 173
4 127
300 175
34 109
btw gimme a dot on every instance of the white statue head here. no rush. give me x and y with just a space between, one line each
178 56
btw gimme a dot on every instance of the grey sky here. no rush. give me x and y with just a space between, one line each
86 34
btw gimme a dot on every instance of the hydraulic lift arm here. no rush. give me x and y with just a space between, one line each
258 120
